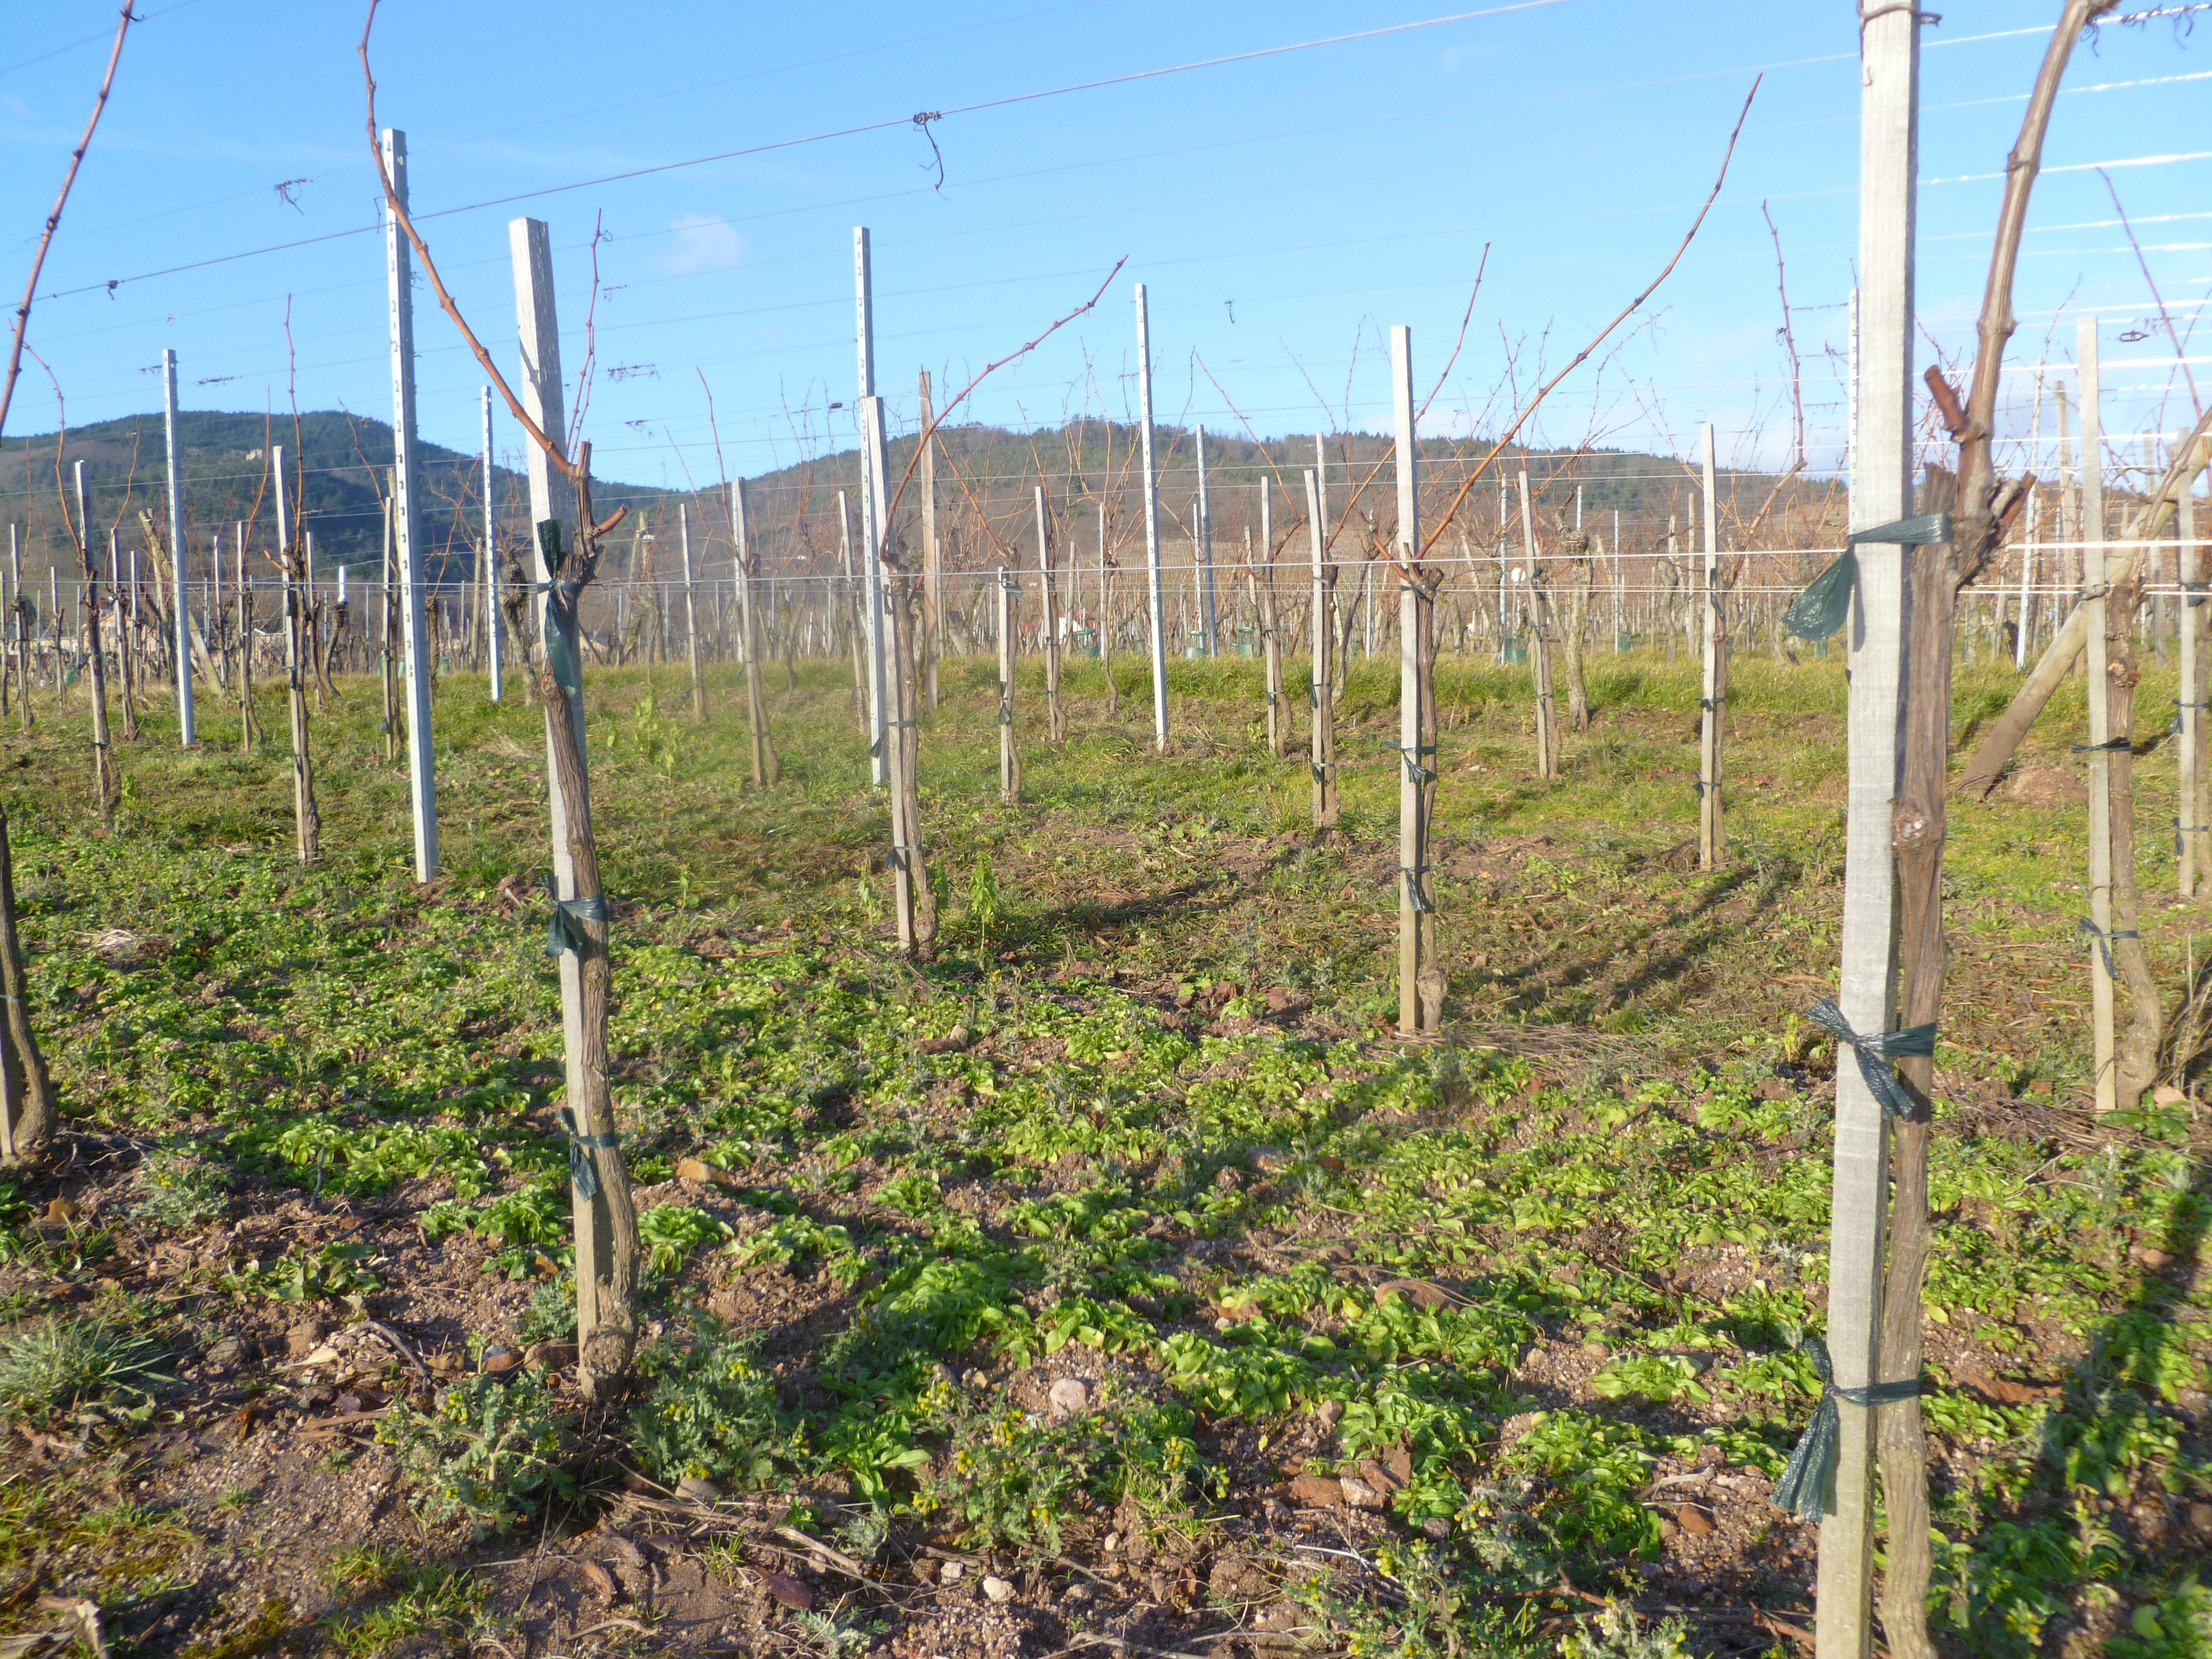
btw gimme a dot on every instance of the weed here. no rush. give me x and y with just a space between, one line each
711 1412
1615 1632
551 1314
486 1454
182 1193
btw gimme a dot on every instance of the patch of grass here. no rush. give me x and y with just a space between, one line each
425 1601
58 1366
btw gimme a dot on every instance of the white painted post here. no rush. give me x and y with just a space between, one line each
421 779
491 557
1157 613
2101 760
1709 828
1205 539
1881 493
182 617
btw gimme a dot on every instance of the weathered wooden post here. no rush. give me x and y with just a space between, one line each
855 630
690 613
422 777
605 1222
106 779
19 610
1420 979
1009 764
1322 736
491 559
1881 497
249 732
1105 627
1271 638
2193 833
1539 649
1713 704
2099 749
932 563
126 628
1156 611
306 820
1204 524
186 733
767 770
1055 721
873 532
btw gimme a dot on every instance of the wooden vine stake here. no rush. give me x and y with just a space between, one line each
559 493
106 780
1321 736
180 612
692 615
1056 719
767 770
1548 743
932 572
1880 494
307 821
1713 702
1421 978
2093 588
28 1109
1009 763
1271 639
2193 836
1156 611
915 904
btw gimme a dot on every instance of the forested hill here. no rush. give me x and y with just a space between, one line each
986 478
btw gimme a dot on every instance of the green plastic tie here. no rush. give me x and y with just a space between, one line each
1874 1053
583 1175
564 929
1807 1481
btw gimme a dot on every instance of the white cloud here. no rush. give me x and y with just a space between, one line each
700 244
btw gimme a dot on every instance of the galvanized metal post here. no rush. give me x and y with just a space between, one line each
421 779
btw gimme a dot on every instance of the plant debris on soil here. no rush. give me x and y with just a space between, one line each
1116 1282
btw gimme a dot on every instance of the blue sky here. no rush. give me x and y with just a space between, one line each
1283 211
